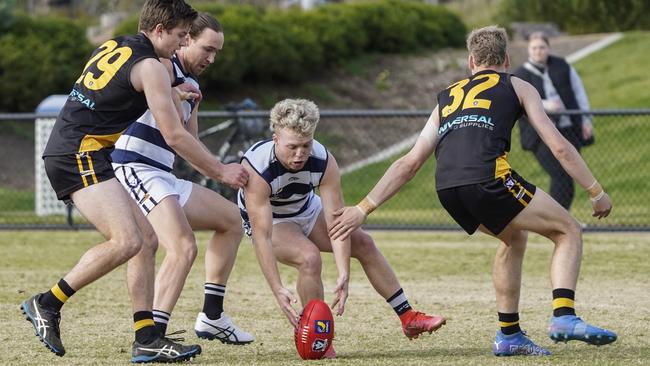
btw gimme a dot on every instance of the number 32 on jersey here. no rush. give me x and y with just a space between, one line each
108 61
470 99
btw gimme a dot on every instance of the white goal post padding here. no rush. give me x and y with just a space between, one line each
45 199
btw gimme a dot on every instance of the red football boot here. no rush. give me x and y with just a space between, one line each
330 353
415 323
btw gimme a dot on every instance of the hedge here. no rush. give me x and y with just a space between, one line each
39 58
580 16
290 45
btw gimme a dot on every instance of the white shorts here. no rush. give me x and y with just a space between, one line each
148 185
306 220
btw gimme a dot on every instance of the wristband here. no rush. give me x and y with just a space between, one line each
598 197
367 205
595 190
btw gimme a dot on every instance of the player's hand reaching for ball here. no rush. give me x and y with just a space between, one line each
602 206
341 296
285 300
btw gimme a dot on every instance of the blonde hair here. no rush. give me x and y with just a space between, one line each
298 115
488 45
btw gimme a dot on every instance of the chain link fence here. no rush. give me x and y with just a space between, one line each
365 143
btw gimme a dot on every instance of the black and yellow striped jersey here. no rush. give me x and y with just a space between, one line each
477 115
102 103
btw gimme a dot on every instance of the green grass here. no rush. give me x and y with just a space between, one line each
445 273
617 76
621 144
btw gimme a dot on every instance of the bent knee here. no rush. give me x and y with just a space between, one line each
363 245
310 262
184 249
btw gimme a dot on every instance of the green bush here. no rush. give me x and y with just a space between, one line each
288 46
580 16
39 58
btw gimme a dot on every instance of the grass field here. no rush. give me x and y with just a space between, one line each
445 273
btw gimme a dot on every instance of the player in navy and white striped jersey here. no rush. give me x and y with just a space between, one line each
288 223
143 161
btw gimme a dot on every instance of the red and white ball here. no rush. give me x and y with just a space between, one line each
315 331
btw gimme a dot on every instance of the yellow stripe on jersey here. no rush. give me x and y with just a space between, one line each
143 323
92 170
502 168
56 290
81 170
563 302
98 142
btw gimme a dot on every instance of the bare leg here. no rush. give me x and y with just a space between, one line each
506 272
208 210
546 217
292 248
107 206
177 238
379 272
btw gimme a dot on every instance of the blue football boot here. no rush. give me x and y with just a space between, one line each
516 344
570 327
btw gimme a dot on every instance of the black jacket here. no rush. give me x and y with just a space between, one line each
560 73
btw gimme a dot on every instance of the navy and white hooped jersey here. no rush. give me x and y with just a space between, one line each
143 143
291 192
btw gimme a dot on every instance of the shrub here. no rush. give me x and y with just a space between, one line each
580 16
288 46
39 58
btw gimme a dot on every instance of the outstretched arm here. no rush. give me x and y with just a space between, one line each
330 192
562 149
151 77
397 175
258 206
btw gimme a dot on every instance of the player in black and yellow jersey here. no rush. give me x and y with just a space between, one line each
123 78
470 132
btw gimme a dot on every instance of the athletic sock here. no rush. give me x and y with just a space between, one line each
144 326
509 323
399 302
161 318
57 296
563 302
213 300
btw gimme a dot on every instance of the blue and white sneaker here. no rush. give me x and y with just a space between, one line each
570 327
516 344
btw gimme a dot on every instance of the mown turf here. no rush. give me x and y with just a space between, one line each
446 273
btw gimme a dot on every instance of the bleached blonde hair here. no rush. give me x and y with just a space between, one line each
298 115
488 45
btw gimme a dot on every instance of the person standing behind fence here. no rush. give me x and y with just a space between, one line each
143 162
561 89
470 131
122 79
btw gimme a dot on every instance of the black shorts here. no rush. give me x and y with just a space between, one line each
70 173
493 204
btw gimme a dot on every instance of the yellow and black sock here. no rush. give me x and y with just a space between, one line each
144 326
57 296
509 323
563 302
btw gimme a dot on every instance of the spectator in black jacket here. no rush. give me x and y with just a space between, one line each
561 89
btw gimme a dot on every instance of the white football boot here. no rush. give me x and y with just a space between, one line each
222 329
